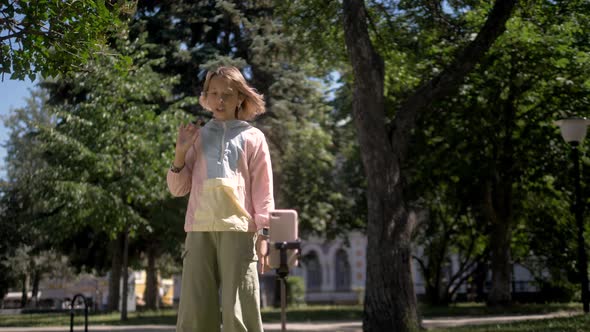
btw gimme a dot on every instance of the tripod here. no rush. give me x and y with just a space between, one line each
282 273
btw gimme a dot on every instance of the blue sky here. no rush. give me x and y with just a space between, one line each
12 95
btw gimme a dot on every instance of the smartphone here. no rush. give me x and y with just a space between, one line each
283 228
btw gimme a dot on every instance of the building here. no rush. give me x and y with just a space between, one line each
57 293
334 271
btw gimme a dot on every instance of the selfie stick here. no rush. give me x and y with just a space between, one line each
282 273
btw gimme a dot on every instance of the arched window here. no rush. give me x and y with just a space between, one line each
342 274
313 281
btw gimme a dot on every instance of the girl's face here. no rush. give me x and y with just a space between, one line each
223 98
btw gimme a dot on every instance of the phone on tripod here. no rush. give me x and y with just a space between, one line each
283 228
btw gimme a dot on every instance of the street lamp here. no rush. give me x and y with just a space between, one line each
573 131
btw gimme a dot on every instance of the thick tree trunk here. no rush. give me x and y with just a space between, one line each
498 212
498 203
115 277
501 265
151 287
390 301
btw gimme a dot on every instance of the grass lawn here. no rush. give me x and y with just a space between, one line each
331 313
480 309
579 323
168 316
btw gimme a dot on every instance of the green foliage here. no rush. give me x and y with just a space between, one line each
449 230
316 26
348 175
500 132
98 151
108 151
19 240
295 291
52 37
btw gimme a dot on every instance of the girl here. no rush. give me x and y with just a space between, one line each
226 168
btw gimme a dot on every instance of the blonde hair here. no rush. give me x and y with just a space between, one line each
253 103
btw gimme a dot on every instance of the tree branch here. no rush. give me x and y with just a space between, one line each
422 264
465 264
450 289
450 79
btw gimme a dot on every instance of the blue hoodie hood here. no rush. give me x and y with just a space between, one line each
223 144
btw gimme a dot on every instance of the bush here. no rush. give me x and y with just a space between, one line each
295 290
559 292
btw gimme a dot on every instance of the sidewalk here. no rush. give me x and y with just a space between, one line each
350 326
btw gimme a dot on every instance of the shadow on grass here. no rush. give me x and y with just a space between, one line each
315 314
168 317
578 323
480 309
294 314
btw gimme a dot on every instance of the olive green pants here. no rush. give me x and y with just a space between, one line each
216 261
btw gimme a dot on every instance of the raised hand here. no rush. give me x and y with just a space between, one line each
187 134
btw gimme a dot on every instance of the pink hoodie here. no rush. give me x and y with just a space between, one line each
229 176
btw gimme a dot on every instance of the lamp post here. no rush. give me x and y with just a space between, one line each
573 131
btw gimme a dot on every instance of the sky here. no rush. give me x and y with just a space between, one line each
12 95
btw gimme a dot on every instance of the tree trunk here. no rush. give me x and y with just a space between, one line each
125 275
501 265
498 211
35 290
115 277
151 288
24 290
433 293
479 279
498 204
390 301
433 281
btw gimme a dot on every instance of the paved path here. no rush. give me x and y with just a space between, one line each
351 326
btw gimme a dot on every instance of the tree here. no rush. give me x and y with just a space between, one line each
451 242
390 303
17 204
107 150
162 242
54 36
506 107
9 240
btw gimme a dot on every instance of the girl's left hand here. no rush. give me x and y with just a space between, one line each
262 252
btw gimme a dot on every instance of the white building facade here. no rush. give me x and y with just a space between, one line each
335 271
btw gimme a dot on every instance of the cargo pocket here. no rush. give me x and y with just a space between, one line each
245 246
